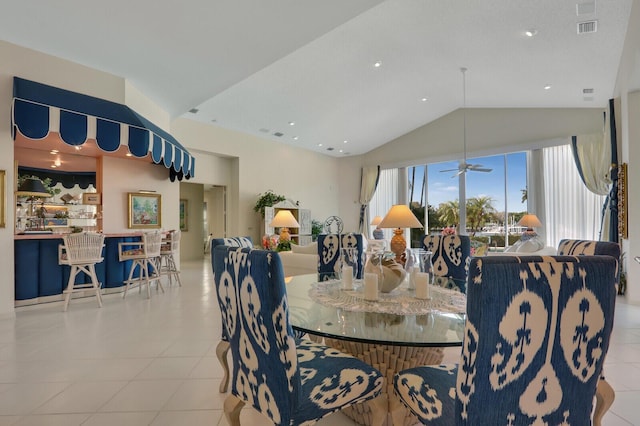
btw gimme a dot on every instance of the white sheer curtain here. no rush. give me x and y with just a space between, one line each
386 195
571 210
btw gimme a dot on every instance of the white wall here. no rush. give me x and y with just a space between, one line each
258 165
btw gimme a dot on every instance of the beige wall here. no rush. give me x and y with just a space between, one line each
191 243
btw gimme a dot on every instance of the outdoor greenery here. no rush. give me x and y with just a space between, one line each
480 214
316 229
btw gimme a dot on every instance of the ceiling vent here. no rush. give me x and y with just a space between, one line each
587 8
587 27
194 110
587 91
278 134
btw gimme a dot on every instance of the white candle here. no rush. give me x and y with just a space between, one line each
370 286
422 285
412 277
347 277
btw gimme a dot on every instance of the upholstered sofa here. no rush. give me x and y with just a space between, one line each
300 260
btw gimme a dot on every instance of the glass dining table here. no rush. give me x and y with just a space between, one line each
395 332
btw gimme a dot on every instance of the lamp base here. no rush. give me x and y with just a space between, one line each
285 235
399 245
528 234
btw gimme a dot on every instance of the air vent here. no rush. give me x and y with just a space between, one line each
278 134
330 148
587 91
194 110
587 27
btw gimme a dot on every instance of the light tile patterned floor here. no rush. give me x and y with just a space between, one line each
152 362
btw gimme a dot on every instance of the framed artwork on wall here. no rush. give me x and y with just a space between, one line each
90 198
184 214
145 210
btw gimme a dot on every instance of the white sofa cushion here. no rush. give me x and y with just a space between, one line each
307 249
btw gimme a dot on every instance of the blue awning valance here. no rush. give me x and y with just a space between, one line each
39 109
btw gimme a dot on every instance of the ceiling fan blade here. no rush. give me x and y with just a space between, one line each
478 168
449 170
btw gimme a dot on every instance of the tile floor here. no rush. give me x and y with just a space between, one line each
152 362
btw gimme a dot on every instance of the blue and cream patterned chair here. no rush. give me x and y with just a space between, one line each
223 347
291 381
605 394
450 257
535 340
329 246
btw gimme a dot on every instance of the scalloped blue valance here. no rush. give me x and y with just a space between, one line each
39 109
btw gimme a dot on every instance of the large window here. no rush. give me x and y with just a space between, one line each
494 201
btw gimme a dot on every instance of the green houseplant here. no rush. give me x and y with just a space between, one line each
267 199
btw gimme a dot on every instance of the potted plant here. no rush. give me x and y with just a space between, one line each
267 199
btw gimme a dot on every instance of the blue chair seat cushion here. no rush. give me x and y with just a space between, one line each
331 379
430 392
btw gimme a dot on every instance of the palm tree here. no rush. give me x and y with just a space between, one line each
449 212
480 210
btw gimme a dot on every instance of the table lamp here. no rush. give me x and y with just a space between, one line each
531 221
377 233
398 217
284 220
32 187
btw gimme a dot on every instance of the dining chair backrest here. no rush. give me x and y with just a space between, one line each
450 256
231 242
329 246
253 301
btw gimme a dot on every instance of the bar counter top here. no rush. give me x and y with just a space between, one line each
49 236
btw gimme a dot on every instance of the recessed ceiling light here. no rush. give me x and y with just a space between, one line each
547 87
292 123
78 148
340 151
319 144
531 33
128 154
295 138
377 64
53 166
345 141
53 151
424 99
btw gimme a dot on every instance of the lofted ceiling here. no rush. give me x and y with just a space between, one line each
302 72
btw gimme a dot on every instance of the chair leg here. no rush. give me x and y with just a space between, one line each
379 410
232 407
604 398
69 290
129 280
96 284
221 352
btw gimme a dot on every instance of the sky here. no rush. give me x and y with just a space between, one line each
443 187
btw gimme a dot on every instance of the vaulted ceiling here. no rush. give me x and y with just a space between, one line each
303 72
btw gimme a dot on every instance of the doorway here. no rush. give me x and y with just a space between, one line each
206 218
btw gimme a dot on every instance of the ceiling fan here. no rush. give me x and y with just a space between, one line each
464 167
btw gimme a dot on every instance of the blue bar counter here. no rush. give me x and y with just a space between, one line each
39 278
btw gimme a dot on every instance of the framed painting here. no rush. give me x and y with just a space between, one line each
144 210
91 198
184 214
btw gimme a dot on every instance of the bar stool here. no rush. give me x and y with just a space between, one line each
145 254
168 267
81 251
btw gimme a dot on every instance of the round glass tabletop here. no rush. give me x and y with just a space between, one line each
434 326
